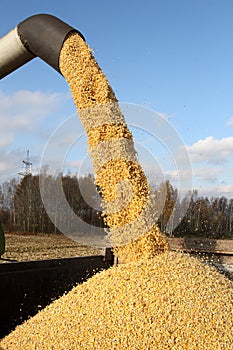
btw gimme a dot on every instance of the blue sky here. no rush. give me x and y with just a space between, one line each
173 57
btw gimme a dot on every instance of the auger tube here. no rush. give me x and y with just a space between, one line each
40 35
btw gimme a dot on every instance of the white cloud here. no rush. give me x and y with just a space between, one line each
173 175
214 151
23 109
216 190
75 164
9 163
207 174
21 115
230 122
202 173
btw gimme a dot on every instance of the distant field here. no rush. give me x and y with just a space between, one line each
24 247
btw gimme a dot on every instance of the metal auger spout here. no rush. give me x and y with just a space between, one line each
40 35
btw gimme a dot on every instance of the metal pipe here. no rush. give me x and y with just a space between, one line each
40 35
12 53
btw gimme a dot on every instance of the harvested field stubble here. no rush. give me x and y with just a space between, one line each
25 247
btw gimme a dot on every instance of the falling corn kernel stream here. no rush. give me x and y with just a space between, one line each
157 299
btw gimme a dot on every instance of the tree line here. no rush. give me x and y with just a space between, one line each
22 208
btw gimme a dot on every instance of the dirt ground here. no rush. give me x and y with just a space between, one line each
25 247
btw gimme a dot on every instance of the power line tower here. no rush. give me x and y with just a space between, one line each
27 166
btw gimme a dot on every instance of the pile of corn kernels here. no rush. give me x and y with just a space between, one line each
157 299
172 301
